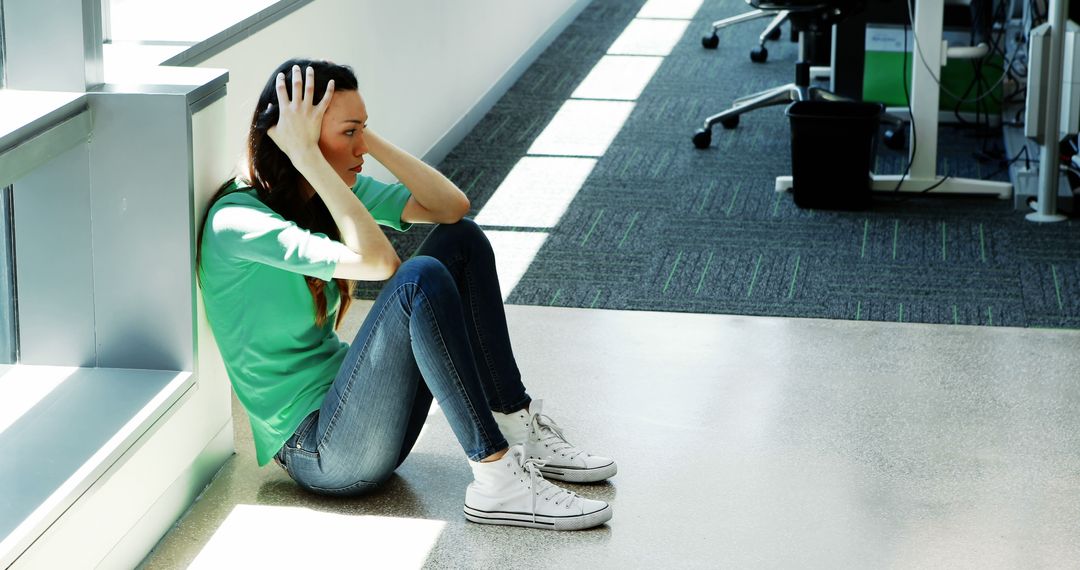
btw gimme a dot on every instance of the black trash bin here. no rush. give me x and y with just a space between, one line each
833 144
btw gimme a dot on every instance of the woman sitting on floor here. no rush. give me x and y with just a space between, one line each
276 257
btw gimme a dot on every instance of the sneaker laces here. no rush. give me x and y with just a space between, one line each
542 488
551 436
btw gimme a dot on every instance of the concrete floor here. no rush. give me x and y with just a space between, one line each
742 442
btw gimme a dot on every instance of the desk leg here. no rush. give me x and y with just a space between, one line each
1046 207
925 93
925 100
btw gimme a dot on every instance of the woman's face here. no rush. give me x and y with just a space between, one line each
342 138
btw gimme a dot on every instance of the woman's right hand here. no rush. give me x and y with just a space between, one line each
299 121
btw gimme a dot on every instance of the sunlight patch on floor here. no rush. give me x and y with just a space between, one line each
536 193
279 537
620 77
582 128
673 9
649 37
514 252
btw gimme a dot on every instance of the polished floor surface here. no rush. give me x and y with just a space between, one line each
742 442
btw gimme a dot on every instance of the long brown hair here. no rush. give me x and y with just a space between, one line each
276 180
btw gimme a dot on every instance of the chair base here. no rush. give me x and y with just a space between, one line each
771 31
781 95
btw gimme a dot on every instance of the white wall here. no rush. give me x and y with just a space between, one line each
428 69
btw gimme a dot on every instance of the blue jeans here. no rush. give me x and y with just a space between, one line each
437 327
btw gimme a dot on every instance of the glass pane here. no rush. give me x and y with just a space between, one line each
7 280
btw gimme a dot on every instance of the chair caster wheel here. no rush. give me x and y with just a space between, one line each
703 138
710 42
730 122
759 54
895 139
774 35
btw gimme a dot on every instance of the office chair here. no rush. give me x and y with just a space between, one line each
771 32
808 17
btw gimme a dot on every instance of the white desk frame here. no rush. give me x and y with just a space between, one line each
925 100
1046 206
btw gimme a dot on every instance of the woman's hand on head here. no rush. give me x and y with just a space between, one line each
299 120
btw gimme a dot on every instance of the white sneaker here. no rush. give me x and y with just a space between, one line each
514 426
512 491
560 459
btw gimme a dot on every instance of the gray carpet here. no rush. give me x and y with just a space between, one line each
660 225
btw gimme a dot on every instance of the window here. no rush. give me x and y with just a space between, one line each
152 32
71 316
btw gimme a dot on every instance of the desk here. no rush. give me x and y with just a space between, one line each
925 95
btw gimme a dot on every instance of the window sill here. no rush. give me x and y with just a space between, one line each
63 428
40 125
